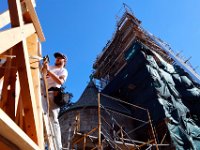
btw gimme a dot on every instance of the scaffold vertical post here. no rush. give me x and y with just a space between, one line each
99 122
154 136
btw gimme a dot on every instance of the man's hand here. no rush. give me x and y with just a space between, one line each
46 66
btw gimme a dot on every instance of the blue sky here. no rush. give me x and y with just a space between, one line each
80 29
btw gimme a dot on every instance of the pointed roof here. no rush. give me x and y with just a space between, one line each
88 97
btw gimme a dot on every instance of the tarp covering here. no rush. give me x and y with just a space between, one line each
165 89
176 90
134 84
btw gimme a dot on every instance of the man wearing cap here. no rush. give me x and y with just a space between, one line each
56 76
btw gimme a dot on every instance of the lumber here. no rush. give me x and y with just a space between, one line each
11 37
5 85
35 19
33 50
7 145
27 92
25 108
8 94
10 105
11 131
19 119
5 16
23 67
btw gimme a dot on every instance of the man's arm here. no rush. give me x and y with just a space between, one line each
57 79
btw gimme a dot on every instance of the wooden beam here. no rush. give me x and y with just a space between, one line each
7 145
14 134
6 56
10 104
19 113
99 122
27 91
2 70
35 20
33 50
6 52
11 37
23 66
4 19
8 92
15 9
4 96
5 16
85 135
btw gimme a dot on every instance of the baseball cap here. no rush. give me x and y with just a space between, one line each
58 54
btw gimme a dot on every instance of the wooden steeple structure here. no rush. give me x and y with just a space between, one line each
21 122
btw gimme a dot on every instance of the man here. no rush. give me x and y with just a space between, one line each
56 76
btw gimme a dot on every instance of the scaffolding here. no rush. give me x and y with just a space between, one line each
108 130
111 60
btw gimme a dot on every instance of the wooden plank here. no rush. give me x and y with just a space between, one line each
5 16
6 56
99 121
4 19
8 92
49 133
4 96
33 50
11 131
35 20
19 119
6 52
15 9
22 59
11 37
7 145
10 105
27 92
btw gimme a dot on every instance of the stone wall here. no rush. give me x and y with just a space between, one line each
87 119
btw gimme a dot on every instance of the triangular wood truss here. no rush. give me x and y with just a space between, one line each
21 124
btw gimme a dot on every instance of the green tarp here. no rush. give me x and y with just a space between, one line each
166 90
174 87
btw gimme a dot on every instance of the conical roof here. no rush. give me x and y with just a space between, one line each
88 97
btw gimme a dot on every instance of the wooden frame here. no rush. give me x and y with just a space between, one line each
10 131
21 117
